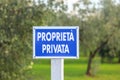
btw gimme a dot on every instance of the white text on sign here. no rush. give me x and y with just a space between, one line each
55 36
58 36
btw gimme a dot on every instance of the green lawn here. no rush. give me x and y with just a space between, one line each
75 70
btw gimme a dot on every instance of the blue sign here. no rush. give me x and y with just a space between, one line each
56 42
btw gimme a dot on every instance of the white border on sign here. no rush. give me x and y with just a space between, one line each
56 27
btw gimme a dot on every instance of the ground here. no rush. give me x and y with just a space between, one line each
75 70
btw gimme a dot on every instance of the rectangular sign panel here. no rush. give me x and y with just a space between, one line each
56 42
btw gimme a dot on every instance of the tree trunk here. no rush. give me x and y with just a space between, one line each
102 59
119 58
92 55
89 65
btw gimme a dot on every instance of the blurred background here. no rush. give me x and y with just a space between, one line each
99 22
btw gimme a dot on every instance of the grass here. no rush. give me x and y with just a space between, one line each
75 70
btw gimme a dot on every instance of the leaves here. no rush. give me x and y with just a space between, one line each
16 21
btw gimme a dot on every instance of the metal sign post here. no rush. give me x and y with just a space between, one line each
57 69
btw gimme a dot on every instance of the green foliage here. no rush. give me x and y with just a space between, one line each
16 21
110 13
99 24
